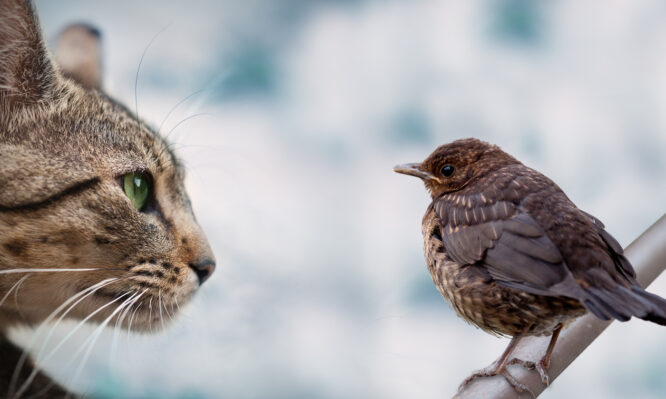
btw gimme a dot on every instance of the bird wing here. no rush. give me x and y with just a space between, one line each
504 239
614 248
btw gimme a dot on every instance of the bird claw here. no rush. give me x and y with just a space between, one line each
519 387
499 367
492 370
485 372
540 368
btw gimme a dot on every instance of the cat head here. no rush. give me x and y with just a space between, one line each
93 209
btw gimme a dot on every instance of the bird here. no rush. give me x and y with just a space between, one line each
515 257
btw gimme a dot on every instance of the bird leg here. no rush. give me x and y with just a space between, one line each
545 360
498 367
543 364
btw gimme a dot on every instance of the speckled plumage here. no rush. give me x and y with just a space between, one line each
513 255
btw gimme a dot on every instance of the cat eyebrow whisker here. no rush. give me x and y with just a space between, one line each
168 114
138 69
186 119
167 147
207 88
77 298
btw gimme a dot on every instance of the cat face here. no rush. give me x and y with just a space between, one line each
86 187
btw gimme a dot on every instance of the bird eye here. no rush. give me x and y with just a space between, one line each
136 188
447 170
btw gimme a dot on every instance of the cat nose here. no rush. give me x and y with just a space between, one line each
203 268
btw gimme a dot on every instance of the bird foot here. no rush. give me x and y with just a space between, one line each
494 370
540 367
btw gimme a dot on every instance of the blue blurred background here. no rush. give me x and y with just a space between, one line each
300 110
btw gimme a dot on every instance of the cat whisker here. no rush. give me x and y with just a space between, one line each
49 270
16 284
166 310
159 305
49 318
98 331
50 384
119 322
173 308
175 299
35 370
62 316
16 291
129 325
150 314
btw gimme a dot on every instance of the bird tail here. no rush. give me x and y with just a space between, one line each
622 303
656 315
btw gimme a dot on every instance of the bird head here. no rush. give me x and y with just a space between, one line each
452 167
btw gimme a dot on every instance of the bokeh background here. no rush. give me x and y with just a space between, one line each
293 114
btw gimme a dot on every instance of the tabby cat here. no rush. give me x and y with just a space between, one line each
95 222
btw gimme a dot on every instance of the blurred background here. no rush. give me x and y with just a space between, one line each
290 116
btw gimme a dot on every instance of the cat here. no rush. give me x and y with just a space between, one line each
94 218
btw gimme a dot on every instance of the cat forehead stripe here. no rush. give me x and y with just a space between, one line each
68 192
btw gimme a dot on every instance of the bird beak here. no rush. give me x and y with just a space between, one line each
413 169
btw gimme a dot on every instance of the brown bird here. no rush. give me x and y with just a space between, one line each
515 257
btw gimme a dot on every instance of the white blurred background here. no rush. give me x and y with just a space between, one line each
321 289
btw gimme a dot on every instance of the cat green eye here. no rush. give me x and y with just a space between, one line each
137 189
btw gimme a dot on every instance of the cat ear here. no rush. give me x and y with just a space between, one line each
78 54
27 75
